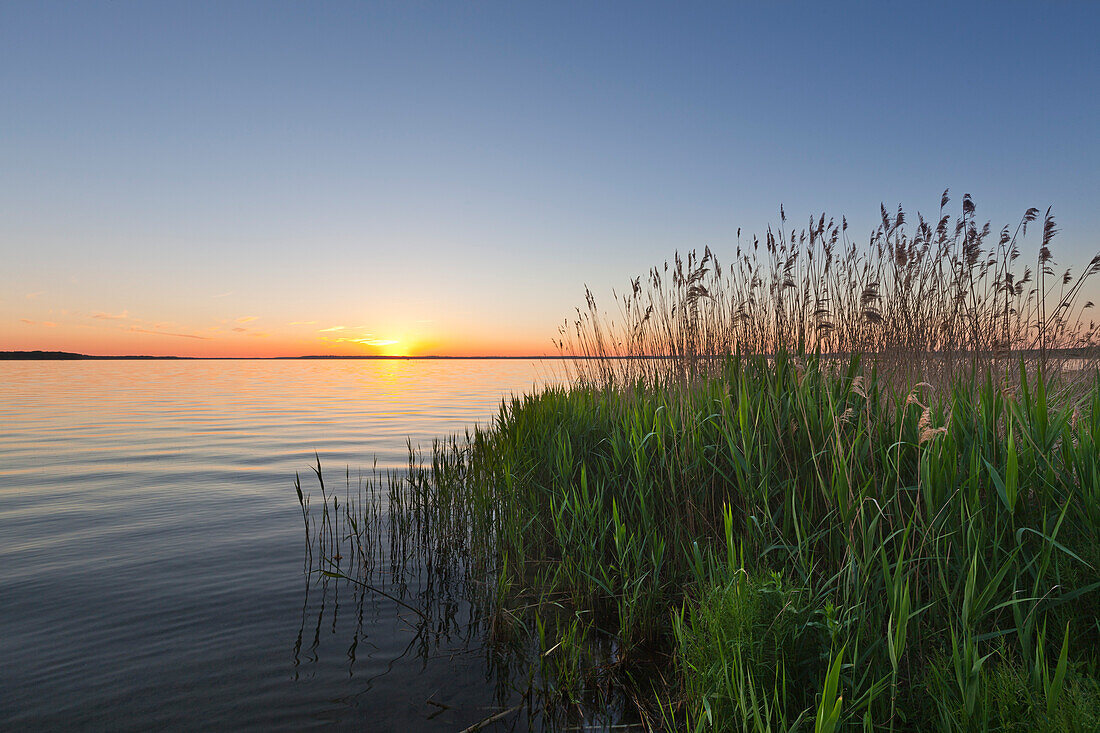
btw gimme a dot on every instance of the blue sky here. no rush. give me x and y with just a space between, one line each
451 175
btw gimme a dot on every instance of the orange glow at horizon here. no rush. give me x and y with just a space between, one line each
106 334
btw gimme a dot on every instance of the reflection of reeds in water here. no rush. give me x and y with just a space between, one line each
415 541
936 294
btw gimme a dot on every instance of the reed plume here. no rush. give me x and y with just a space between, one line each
942 292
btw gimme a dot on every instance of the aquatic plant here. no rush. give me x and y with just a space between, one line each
757 523
934 296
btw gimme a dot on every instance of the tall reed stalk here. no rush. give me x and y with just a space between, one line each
936 295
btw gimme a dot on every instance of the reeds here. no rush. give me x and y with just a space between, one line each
799 544
932 296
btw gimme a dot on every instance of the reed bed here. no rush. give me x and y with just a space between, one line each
938 297
784 547
747 514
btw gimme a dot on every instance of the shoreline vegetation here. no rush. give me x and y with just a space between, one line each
904 537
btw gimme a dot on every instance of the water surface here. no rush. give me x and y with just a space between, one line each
151 546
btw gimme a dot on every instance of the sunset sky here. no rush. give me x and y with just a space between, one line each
258 179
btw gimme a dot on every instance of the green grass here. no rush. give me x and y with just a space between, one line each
751 641
786 544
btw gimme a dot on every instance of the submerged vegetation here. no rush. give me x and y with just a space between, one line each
732 529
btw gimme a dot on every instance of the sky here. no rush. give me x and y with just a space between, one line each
261 179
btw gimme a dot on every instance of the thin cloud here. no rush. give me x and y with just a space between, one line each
247 319
124 315
302 323
377 342
333 328
238 329
223 295
168 333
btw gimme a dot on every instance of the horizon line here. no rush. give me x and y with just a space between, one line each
41 355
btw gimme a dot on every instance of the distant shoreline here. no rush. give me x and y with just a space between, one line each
72 356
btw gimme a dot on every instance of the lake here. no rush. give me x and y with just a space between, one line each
152 549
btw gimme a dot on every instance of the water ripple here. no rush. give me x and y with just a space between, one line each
151 555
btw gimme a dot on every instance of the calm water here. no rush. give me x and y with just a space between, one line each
151 547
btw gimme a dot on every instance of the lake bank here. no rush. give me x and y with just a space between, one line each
781 544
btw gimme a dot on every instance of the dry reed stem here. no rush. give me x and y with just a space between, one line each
943 299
